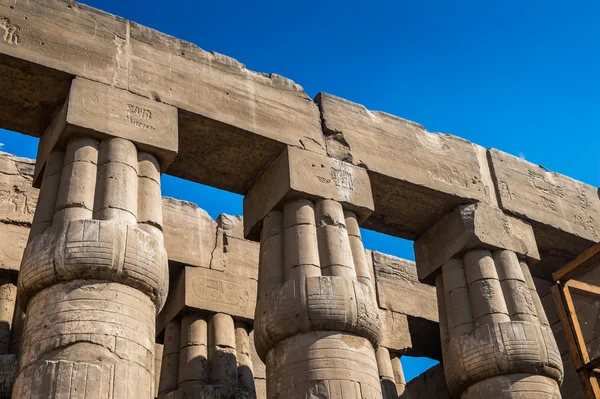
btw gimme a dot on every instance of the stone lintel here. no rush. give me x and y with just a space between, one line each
468 227
98 110
201 289
296 174
396 335
190 233
564 213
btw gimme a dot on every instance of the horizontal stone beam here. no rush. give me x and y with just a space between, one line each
298 174
234 122
565 213
468 227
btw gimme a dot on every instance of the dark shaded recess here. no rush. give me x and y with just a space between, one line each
220 155
405 210
29 95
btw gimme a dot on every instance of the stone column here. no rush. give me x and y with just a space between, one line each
316 323
94 273
206 356
391 374
209 315
496 340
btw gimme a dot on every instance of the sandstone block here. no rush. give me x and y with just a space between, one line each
395 332
104 333
400 292
468 227
565 213
298 174
13 240
429 385
213 291
18 198
318 303
232 226
416 175
190 233
99 111
95 249
399 289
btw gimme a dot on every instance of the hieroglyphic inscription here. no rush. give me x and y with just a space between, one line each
542 184
11 31
217 291
138 116
13 240
342 178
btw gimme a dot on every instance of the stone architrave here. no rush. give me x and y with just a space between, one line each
94 273
496 339
317 323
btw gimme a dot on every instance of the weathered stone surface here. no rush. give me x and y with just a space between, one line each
100 111
565 213
207 356
291 372
18 198
13 240
391 374
494 332
515 385
298 174
395 333
8 371
468 227
417 176
190 233
429 385
211 290
231 226
99 334
38 60
399 289
94 273
256 113
316 311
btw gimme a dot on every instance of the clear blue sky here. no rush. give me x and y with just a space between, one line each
520 76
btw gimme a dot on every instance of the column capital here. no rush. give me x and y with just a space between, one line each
297 173
469 227
100 111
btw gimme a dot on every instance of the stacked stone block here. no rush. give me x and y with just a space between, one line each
94 273
496 339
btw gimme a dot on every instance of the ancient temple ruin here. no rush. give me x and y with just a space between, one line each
109 290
